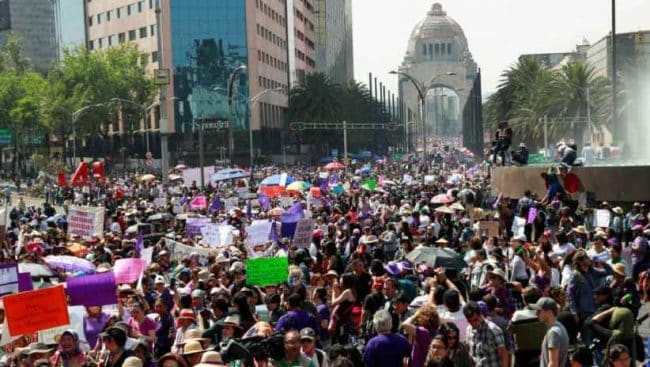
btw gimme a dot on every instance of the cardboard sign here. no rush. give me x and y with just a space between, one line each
602 218
217 235
147 255
180 251
518 226
33 311
76 313
489 228
128 270
92 290
267 271
86 221
429 179
231 203
258 232
285 201
302 236
193 226
159 202
8 279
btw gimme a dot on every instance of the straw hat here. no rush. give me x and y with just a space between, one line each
619 269
193 335
618 210
580 229
231 320
132 362
211 359
192 347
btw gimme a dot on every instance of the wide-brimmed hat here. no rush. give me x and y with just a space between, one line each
618 210
231 320
498 272
332 273
600 235
580 229
132 362
36 348
192 347
442 240
193 334
637 227
211 359
619 268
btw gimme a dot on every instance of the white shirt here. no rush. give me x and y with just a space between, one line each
563 249
457 318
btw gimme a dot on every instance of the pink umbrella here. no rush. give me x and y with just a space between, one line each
334 165
441 199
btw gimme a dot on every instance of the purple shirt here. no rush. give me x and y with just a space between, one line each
93 326
386 350
297 319
420 347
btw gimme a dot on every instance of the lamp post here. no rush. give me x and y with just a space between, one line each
75 117
421 90
231 80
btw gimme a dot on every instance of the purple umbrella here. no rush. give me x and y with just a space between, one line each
70 263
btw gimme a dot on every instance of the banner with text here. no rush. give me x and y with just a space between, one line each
86 220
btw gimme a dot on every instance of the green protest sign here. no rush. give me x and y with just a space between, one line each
370 183
267 271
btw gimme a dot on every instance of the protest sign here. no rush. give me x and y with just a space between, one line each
180 251
193 226
267 271
25 282
199 202
429 179
302 236
217 235
147 255
602 218
285 201
92 290
242 192
86 221
258 232
128 270
8 279
314 201
32 311
532 214
76 313
518 226
159 202
231 203
193 175
488 228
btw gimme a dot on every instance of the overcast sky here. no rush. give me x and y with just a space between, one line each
497 31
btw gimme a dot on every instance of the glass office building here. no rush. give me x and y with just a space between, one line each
208 42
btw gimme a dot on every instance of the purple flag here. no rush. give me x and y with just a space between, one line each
25 282
183 199
294 213
139 242
334 179
273 236
92 290
215 206
264 201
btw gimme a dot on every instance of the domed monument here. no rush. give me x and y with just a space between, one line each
438 63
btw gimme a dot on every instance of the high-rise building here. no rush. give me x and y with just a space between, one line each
631 48
301 37
33 21
69 21
334 44
206 44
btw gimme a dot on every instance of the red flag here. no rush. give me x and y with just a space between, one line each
60 179
80 176
98 170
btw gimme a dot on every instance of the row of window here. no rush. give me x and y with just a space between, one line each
271 37
308 60
267 83
301 36
271 116
304 19
430 49
118 13
272 61
280 19
113 40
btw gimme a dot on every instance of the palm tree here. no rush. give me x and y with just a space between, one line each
317 100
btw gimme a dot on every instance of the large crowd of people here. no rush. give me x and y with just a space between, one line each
410 262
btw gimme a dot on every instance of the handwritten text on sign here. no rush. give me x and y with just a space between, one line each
29 312
85 221
267 271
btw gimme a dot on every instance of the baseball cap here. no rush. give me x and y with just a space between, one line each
520 237
307 333
544 303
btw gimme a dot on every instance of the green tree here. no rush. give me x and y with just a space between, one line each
317 100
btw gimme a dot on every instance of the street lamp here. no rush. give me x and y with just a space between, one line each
421 89
231 80
75 117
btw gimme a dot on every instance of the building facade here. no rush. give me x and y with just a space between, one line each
439 62
69 18
334 42
301 28
33 21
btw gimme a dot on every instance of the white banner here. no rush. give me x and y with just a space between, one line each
194 175
602 218
86 221
518 226
180 251
286 201
302 236
76 323
258 232
147 255
217 235
231 203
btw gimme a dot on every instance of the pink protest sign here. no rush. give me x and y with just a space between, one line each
199 202
532 214
128 270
